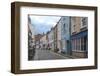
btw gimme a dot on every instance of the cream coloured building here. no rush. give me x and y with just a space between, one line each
59 46
51 39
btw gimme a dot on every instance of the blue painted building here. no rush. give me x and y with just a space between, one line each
65 34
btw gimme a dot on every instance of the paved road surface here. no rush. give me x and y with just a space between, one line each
47 55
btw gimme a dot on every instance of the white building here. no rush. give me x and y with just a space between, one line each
51 39
59 35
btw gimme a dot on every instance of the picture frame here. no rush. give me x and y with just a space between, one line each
17 11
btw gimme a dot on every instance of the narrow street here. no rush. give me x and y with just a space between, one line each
47 55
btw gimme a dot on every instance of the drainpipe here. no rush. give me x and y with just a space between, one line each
70 46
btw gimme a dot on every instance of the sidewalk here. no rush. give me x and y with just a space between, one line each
66 55
70 56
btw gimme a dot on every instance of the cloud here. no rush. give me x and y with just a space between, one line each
43 23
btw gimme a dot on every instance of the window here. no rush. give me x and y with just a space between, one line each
84 21
78 44
85 43
75 44
64 28
74 27
82 44
72 44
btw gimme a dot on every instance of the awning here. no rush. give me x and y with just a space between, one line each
79 35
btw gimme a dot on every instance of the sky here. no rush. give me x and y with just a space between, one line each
42 24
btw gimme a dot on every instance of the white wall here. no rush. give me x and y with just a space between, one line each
5 41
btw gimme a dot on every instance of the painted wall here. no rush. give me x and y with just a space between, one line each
59 35
51 39
65 25
65 34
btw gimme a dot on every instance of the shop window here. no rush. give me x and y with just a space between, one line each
82 44
85 45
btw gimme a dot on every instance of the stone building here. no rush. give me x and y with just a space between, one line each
37 40
31 52
79 36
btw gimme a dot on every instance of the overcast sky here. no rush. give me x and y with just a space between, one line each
43 23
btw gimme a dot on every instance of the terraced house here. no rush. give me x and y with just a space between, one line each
59 36
79 36
51 39
65 35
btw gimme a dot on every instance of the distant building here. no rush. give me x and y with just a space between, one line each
79 36
37 40
51 37
43 42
